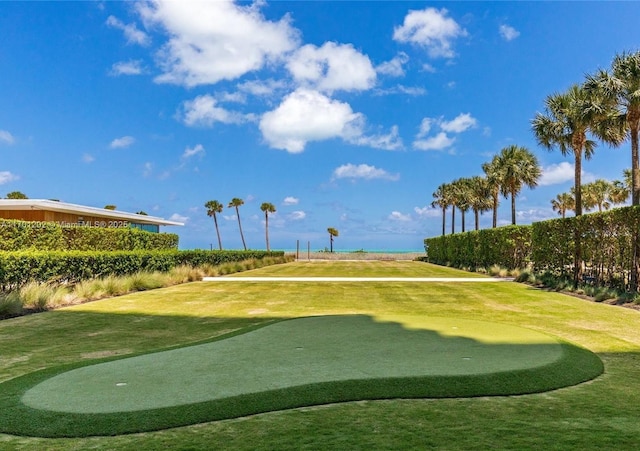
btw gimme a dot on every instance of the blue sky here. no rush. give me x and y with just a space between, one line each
341 114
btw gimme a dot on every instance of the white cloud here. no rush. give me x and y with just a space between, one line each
202 111
427 212
261 87
305 116
401 89
131 32
6 137
460 124
442 140
218 40
394 67
362 171
332 67
88 158
390 141
534 215
121 143
132 67
147 169
290 200
508 33
432 29
428 68
425 127
297 215
178 218
7 177
397 216
189 152
438 142
557 173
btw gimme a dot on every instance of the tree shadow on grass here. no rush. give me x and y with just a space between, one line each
282 364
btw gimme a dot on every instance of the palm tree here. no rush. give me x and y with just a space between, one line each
441 200
563 203
619 192
213 207
267 208
480 198
621 86
494 179
569 118
462 190
332 232
596 194
236 202
518 167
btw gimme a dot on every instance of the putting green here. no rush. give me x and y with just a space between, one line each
298 362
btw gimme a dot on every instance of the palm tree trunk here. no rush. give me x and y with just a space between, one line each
453 220
513 207
240 227
578 181
215 220
495 210
266 228
477 218
577 250
462 212
444 218
634 129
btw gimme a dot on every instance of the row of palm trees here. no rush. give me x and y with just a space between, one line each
602 194
214 207
606 107
506 174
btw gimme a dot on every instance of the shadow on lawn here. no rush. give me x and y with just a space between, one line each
337 341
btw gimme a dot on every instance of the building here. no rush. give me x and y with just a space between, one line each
40 210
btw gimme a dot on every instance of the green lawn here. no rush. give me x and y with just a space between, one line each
602 414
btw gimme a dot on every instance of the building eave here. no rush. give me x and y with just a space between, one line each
64 207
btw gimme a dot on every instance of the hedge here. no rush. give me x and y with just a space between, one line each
19 268
49 236
606 248
505 246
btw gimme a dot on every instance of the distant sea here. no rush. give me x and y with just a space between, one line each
365 251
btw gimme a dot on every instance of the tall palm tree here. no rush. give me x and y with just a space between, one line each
480 198
237 202
622 87
494 178
463 193
562 203
441 200
569 118
267 208
518 167
213 208
332 232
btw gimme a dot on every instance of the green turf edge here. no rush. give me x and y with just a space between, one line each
576 366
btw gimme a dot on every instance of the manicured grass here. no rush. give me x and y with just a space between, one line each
293 363
598 415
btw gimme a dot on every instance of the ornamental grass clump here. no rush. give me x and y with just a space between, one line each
10 304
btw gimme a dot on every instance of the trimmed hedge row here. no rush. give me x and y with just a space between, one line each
606 246
607 241
19 268
505 246
49 236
